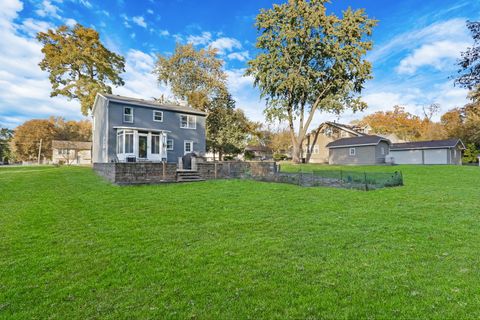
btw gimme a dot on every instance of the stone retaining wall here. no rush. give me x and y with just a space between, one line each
137 173
160 172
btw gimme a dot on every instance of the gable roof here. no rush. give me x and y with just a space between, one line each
66 144
149 103
365 140
345 127
432 144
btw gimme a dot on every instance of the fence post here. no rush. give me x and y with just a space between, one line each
366 184
300 178
341 176
215 169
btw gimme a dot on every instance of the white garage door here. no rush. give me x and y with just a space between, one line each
436 156
407 156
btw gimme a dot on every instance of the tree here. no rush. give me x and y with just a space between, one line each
26 141
463 123
405 125
5 137
310 61
79 65
227 127
193 75
72 130
469 64
470 155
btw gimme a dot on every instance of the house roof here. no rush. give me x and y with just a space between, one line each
365 140
77 145
151 104
432 144
346 127
257 148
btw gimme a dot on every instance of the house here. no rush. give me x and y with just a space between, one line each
129 129
427 152
315 144
366 149
71 152
259 152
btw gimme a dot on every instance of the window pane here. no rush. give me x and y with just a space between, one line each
158 115
120 143
155 144
170 144
184 121
128 142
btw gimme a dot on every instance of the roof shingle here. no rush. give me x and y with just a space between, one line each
357 141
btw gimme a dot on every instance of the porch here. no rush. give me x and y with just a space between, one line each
141 145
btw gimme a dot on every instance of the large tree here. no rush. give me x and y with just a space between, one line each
310 61
27 138
469 72
227 127
463 123
196 76
79 65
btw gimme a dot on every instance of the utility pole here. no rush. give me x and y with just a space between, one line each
39 150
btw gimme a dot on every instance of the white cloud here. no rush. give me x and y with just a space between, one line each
202 39
70 22
86 3
240 56
47 9
225 44
139 80
453 29
32 26
437 55
164 33
150 11
139 20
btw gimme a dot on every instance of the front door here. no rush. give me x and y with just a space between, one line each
142 146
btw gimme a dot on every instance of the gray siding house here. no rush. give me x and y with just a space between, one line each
129 129
368 149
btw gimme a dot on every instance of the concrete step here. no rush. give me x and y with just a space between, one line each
188 176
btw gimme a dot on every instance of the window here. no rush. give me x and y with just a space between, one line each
157 116
382 151
128 114
352 151
63 151
124 141
316 149
169 144
155 144
187 146
188 121
120 145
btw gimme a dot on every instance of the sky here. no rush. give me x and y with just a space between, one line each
416 46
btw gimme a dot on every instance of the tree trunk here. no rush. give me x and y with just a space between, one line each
296 153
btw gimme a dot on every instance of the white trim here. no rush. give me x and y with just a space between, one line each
354 145
123 115
188 121
185 144
140 129
423 148
155 111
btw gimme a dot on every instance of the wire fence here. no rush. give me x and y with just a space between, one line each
360 180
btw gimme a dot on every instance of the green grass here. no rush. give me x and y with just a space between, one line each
72 246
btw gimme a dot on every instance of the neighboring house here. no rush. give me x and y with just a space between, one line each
427 152
259 152
129 129
315 144
71 152
367 149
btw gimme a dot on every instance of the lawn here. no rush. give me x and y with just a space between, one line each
72 246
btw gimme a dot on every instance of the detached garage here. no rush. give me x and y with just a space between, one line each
427 152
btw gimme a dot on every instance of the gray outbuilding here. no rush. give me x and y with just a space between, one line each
364 150
427 152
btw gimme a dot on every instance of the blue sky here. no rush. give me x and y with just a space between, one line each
416 46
